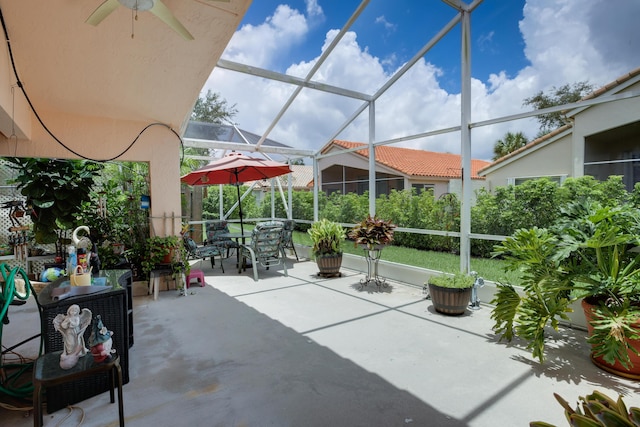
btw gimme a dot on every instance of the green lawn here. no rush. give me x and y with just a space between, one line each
490 269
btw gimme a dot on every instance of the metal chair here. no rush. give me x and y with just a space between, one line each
287 236
215 235
265 248
201 252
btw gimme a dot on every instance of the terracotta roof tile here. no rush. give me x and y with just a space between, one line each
417 163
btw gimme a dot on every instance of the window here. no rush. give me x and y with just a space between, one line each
614 152
423 187
554 178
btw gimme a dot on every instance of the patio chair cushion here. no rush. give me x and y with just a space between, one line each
214 231
265 247
201 252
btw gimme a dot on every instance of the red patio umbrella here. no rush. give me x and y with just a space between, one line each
235 168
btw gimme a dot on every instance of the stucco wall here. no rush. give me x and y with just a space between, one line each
100 139
551 159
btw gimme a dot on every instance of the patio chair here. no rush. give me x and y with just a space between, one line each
201 252
215 235
287 236
265 248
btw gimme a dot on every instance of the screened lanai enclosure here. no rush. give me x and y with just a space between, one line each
460 26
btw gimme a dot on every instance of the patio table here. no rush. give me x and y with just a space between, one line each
237 237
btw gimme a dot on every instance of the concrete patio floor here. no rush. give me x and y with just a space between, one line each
309 351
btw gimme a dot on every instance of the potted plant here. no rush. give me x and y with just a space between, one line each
372 233
167 250
590 255
450 293
596 409
327 238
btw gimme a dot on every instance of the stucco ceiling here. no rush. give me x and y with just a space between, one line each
70 67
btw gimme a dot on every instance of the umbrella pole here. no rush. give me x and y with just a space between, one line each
239 206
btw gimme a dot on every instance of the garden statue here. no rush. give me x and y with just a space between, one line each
72 327
100 341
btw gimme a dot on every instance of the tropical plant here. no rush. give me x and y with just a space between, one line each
509 143
55 190
372 232
596 410
327 237
589 253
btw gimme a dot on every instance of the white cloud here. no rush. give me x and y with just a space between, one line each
386 24
264 44
565 41
314 10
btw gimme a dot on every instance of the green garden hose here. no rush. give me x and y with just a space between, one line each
14 371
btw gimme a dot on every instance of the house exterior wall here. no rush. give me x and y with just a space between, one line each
455 187
565 154
599 118
353 167
552 159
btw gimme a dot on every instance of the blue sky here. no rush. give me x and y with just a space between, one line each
519 47
395 33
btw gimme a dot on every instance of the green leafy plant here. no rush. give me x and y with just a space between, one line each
454 281
158 249
372 232
588 253
327 237
55 190
596 410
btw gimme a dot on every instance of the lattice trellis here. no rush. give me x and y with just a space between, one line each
8 193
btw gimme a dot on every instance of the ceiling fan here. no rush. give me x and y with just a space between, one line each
157 7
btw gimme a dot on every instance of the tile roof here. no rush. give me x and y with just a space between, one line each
416 163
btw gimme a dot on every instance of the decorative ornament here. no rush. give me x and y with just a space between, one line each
100 341
72 327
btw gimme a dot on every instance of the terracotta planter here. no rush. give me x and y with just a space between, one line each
617 369
329 265
451 301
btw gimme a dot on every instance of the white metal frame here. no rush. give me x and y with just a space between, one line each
466 125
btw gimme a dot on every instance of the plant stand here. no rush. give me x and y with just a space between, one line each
373 256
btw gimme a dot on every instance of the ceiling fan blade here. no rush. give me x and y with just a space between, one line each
102 12
163 12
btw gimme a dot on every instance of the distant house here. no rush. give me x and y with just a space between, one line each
301 180
396 169
600 140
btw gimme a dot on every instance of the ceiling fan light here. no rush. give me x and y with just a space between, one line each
140 5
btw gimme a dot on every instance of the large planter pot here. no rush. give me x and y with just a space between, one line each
451 301
617 368
329 265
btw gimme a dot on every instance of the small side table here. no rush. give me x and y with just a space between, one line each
47 372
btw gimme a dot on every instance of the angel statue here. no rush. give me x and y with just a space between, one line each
72 327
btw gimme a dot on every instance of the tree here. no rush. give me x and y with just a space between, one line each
212 109
508 144
208 109
557 96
